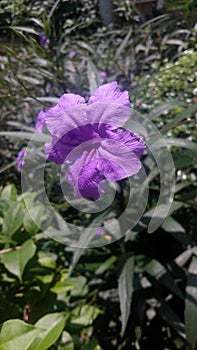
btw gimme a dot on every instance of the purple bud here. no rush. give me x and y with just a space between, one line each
44 40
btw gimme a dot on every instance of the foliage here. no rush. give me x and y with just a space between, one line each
139 292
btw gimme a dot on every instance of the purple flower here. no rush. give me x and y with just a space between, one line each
99 231
86 137
44 40
20 159
102 76
40 122
72 54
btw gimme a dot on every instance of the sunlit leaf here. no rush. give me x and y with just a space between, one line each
125 290
53 325
16 260
17 335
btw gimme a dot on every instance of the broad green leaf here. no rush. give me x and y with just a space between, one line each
27 199
84 315
79 284
47 260
66 342
16 260
190 306
125 290
13 219
53 325
9 193
61 287
17 335
33 218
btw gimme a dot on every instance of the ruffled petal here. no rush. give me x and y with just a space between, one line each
127 138
108 113
70 100
124 162
59 122
111 160
59 148
110 93
85 177
40 121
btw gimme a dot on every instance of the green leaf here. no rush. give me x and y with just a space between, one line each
13 219
166 106
33 218
125 290
155 269
190 112
17 335
39 137
92 75
16 260
25 29
124 43
190 306
53 325
47 260
61 287
9 193
167 314
66 342
171 225
79 284
84 315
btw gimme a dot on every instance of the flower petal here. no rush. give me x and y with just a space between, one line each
127 138
108 113
70 100
110 93
59 148
40 121
110 160
85 177
60 121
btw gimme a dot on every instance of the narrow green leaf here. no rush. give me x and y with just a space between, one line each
39 137
171 225
125 290
53 325
167 314
92 76
190 112
17 335
123 43
191 306
155 269
25 29
166 106
16 260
